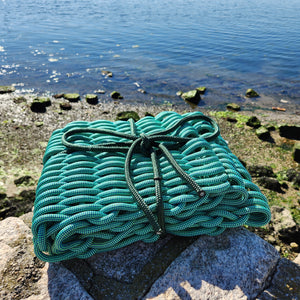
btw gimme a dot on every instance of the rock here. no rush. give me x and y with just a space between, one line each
271 239
262 133
99 92
4 89
192 96
259 171
147 114
289 131
231 119
25 180
297 260
201 89
293 175
58 96
285 283
72 97
296 153
39 104
282 220
91 99
126 115
107 73
270 184
250 93
39 123
179 93
235 265
233 106
142 91
19 100
253 122
116 95
294 246
65 105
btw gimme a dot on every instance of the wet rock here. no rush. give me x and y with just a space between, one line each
296 152
262 133
72 97
289 131
294 246
126 115
179 93
285 283
107 73
250 93
254 122
201 89
282 221
116 95
4 89
65 106
233 106
260 171
99 91
91 99
192 96
270 184
40 104
25 180
142 91
58 96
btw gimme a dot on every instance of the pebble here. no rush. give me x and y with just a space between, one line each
294 246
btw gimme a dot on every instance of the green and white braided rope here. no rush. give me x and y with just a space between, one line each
107 184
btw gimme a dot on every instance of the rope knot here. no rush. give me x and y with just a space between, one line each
146 144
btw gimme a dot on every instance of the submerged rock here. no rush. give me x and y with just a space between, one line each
6 89
192 96
250 93
233 106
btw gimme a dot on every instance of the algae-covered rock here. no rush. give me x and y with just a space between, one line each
6 89
192 96
65 106
116 95
39 104
289 131
73 97
233 106
262 133
126 115
250 93
201 89
254 122
179 93
91 98
296 152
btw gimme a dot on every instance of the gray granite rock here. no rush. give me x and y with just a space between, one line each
234 265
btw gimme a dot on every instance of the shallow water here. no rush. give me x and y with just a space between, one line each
159 46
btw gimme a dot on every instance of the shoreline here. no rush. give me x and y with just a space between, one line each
24 135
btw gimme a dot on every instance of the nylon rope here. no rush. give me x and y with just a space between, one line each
107 184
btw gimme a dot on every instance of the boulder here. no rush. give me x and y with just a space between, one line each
250 93
192 96
40 104
4 89
289 131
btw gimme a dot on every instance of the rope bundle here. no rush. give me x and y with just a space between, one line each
107 184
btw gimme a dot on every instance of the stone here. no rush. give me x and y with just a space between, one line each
65 106
142 91
201 89
296 153
91 99
285 283
259 171
250 93
99 91
294 246
72 97
179 93
297 260
262 133
126 115
116 95
289 131
211 269
254 122
58 96
270 183
4 89
107 73
233 106
23 180
192 96
282 220
39 104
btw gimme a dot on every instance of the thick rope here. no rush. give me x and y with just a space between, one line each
105 185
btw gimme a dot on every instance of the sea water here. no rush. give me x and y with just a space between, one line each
157 46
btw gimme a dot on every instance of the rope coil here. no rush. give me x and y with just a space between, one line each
107 184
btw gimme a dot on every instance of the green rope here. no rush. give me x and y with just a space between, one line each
107 184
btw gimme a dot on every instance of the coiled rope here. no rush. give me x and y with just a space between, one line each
107 184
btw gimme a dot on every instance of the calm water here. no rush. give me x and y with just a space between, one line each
159 46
